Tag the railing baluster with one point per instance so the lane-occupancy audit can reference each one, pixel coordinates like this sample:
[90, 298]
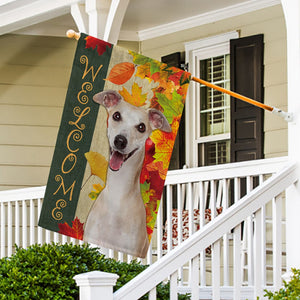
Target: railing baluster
[237, 276]
[237, 189]
[169, 217]
[110, 253]
[249, 229]
[258, 257]
[56, 237]
[190, 208]
[149, 254]
[202, 222]
[173, 286]
[194, 282]
[237, 266]
[48, 236]
[213, 199]
[17, 223]
[121, 256]
[224, 204]
[32, 222]
[9, 229]
[263, 240]
[159, 231]
[191, 220]
[179, 228]
[152, 294]
[2, 229]
[277, 241]
[24, 224]
[64, 239]
[216, 277]
[40, 230]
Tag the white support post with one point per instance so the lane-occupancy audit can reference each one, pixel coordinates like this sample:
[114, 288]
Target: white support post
[80, 17]
[97, 11]
[96, 285]
[114, 20]
[291, 10]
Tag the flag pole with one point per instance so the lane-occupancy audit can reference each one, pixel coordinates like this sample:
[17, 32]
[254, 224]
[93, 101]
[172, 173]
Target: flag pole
[287, 116]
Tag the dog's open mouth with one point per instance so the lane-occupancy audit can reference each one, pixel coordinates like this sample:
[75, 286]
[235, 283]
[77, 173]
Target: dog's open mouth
[117, 159]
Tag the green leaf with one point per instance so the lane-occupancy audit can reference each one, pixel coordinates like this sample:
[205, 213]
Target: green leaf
[139, 58]
[172, 108]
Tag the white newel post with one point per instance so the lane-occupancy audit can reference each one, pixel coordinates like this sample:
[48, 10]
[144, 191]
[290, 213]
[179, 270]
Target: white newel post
[292, 18]
[96, 285]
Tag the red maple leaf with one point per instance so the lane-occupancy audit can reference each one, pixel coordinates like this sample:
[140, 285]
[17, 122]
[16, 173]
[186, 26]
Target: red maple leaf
[76, 231]
[149, 230]
[149, 152]
[94, 43]
[176, 77]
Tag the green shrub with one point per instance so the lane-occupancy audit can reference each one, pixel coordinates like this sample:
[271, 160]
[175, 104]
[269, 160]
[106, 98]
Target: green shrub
[290, 291]
[46, 271]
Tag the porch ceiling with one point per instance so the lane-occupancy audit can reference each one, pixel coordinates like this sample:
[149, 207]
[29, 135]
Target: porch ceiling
[143, 19]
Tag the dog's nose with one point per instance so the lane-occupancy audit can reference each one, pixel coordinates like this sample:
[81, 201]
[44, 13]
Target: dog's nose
[120, 142]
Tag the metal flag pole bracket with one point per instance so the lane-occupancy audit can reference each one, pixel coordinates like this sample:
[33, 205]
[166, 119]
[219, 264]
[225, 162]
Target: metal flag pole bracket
[285, 115]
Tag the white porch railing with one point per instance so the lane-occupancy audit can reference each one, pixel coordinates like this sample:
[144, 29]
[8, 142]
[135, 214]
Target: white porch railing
[188, 192]
[191, 251]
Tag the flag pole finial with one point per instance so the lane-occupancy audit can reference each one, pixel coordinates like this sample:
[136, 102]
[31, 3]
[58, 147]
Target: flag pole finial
[73, 34]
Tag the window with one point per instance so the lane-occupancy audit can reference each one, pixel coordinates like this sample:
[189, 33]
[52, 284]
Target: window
[208, 110]
[214, 112]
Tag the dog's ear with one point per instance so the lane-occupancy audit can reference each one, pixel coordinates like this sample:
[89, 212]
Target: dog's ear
[107, 98]
[158, 120]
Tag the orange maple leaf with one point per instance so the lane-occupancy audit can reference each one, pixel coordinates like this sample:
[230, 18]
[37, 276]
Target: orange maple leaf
[136, 97]
[164, 142]
[158, 166]
[121, 73]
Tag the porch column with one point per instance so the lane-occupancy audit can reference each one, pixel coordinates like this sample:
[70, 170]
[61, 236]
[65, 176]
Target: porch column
[100, 18]
[292, 18]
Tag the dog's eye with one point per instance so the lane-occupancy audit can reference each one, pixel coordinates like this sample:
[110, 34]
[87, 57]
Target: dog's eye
[117, 116]
[141, 127]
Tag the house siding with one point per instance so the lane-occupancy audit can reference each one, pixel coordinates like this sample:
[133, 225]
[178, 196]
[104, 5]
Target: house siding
[33, 80]
[34, 77]
[270, 22]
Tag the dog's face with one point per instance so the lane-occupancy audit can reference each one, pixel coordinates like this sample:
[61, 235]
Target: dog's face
[128, 127]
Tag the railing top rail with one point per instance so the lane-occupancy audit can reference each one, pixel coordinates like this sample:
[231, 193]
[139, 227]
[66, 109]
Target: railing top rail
[231, 170]
[208, 234]
[22, 194]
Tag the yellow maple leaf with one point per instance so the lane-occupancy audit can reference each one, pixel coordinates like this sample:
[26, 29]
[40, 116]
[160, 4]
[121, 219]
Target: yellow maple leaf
[136, 97]
[98, 164]
[143, 71]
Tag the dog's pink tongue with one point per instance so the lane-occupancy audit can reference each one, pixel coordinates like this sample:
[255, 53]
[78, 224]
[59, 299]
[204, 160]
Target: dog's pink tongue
[116, 161]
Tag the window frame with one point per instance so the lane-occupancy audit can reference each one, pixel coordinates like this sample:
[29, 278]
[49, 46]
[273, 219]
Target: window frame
[196, 51]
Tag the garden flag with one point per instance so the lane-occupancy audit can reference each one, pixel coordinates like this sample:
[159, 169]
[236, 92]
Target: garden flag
[114, 145]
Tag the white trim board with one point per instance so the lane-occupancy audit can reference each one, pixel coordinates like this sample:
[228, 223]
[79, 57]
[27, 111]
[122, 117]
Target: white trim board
[206, 18]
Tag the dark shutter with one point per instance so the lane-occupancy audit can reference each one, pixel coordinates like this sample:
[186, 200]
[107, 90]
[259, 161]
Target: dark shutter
[178, 156]
[246, 77]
